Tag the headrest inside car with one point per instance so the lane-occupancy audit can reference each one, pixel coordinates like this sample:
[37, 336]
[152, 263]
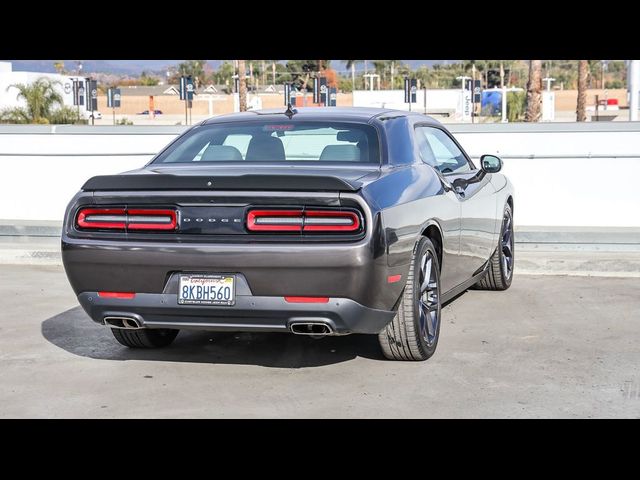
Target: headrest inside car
[351, 136]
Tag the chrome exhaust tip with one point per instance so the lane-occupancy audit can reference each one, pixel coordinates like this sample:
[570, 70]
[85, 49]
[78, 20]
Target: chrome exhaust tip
[128, 323]
[311, 328]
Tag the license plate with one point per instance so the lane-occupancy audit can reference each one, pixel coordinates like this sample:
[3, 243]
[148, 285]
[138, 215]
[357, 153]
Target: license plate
[207, 290]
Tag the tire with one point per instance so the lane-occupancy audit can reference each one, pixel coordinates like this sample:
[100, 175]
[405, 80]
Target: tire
[145, 338]
[501, 263]
[413, 333]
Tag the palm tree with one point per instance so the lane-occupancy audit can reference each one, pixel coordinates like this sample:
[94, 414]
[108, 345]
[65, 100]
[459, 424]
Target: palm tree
[583, 72]
[242, 82]
[195, 69]
[40, 97]
[383, 67]
[534, 86]
[351, 64]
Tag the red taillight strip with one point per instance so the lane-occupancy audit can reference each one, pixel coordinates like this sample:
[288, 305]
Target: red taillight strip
[254, 215]
[306, 299]
[319, 214]
[157, 219]
[170, 225]
[116, 295]
[296, 221]
[84, 222]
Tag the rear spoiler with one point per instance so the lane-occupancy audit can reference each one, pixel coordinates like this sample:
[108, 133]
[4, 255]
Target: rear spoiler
[197, 182]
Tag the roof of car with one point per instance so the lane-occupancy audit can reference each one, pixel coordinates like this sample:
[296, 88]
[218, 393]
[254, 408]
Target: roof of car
[364, 114]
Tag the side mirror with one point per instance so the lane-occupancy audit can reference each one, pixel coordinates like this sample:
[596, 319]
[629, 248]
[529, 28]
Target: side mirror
[490, 163]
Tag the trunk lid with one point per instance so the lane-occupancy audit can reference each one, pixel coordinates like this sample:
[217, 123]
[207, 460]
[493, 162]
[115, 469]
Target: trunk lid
[247, 177]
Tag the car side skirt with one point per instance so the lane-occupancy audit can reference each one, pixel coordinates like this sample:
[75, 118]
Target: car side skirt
[455, 291]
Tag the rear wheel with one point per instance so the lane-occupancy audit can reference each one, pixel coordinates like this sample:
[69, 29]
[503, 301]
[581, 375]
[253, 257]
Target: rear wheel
[413, 333]
[501, 263]
[145, 338]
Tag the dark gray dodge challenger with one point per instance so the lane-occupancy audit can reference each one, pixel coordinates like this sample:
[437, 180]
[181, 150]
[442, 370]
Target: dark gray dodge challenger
[319, 221]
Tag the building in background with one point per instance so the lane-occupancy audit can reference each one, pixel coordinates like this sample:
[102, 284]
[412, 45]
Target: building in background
[9, 95]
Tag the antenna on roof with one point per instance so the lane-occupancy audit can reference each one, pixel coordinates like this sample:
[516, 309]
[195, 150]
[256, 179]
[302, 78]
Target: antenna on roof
[290, 112]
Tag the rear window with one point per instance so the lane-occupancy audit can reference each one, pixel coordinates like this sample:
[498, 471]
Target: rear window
[284, 141]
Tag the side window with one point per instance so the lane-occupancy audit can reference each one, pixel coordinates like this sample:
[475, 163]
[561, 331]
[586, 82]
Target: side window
[438, 150]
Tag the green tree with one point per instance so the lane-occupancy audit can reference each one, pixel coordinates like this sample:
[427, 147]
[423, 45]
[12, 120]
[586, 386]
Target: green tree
[64, 115]
[583, 74]
[41, 98]
[15, 115]
[301, 71]
[273, 67]
[351, 65]
[282, 74]
[224, 74]
[242, 85]
[387, 71]
[345, 85]
[147, 80]
[195, 69]
[534, 87]
[516, 106]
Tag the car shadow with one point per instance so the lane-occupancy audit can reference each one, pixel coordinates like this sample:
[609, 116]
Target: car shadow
[76, 333]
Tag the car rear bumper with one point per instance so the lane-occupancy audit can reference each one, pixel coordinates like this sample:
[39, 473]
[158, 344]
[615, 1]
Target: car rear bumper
[250, 313]
[355, 271]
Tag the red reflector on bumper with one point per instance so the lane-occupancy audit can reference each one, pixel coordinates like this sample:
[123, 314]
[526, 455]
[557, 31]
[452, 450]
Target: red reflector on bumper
[394, 278]
[116, 294]
[307, 299]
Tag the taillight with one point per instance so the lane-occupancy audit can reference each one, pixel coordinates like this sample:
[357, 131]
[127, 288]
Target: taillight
[151, 219]
[327, 221]
[275, 220]
[303, 221]
[129, 219]
[110, 218]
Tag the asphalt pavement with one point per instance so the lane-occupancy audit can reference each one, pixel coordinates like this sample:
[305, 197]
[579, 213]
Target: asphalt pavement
[551, 346]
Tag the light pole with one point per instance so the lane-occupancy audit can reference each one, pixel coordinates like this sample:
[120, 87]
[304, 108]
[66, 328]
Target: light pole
[548, 80]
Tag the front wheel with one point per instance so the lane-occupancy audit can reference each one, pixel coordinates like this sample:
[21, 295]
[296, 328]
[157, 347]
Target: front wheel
[413, 333]
[145, 338]
[500, 272]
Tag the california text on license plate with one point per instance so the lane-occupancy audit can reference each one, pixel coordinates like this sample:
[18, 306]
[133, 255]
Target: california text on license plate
[207, 290]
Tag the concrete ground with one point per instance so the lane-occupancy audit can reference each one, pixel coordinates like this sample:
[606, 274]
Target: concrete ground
[551, 346]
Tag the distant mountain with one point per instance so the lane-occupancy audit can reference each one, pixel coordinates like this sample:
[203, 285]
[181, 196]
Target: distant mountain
[122, 67]
[136, 67]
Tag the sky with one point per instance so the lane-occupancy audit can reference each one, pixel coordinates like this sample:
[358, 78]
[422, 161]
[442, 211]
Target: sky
[135, 67]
